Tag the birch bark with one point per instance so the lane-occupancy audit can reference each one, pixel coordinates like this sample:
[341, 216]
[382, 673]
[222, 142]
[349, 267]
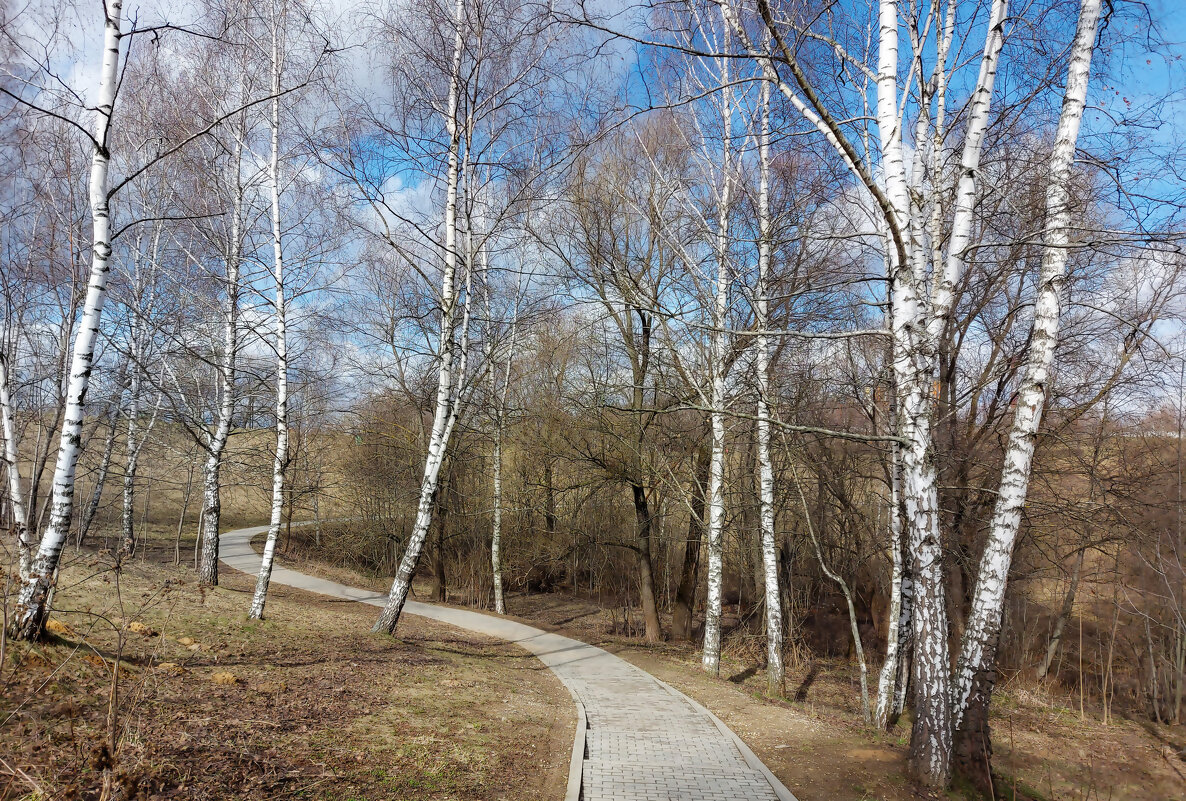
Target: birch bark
[280, 461]
[143, 279]
[974, 672]
[930, 739]
[500, 411]
[496, 522]
[217, 439]
[905, 640]
[716, 472]
[452, 356]
[889, 677]
[32, 601]
[943, 294]
[131, 455]
[16, 499]
[775, 679]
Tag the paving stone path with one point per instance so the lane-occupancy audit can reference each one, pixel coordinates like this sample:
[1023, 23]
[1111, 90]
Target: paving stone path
[637, 739]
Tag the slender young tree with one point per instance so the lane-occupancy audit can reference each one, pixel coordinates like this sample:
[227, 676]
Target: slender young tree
[715, 502]
[892, 677]
[846, 591]
[142, 284]
[775, 679]
[452, 354]
[214, 440]
[498, 391]
[280, 458]
[16, 496]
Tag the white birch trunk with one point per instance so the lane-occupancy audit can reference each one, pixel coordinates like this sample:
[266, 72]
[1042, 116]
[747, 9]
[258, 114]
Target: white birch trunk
[930, 740]
[711, 659]
[32, 601]
[211, 514]
[280, 461]
[943, 295]
[774, 665]
[16, 499]
[496, 524]
[893, 162]
[888, 678]
[905, 638]
[438, 445]
[500, 395]
[132, 456]
[931, 737]
[448, 383]
[979, 646]
[138, 355]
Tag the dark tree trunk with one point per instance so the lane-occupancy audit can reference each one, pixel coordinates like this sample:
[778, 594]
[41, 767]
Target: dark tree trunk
[1064, 614]
[549, 501]
[439, 586]
[440, 591]
[685, 594]
[785, 585]
[646, 578]
[972, 746]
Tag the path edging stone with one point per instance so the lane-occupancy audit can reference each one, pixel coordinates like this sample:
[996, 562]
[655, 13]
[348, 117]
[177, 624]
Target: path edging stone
[576, 765]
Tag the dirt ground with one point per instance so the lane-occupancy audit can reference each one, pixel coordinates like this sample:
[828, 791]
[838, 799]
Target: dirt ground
[816, 744]
[818, 747]
[305, 705]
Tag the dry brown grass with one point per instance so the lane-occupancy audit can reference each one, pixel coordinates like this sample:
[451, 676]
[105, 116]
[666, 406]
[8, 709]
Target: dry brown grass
[307, 704]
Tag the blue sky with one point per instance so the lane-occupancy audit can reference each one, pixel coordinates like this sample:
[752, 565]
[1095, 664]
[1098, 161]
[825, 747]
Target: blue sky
[1139, 90]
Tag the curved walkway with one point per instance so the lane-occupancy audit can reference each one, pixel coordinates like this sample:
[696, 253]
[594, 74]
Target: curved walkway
[637, 738]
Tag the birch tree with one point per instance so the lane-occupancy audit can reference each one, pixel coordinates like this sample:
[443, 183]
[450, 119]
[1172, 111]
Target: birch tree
[229, 174]
[916, 313]
[452, 353]
[499, 387]
[33, 596]
[921, 317]
[142, 282]
[32, 601]
[469, 119]
[894, 675]
[280, 458]
[214, 440]
[775, 678]
[715, 501]
[974, 671]
[44, 240]
[16, 496]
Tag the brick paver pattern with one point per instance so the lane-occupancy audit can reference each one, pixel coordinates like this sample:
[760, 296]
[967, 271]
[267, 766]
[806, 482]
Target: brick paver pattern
[644, 742]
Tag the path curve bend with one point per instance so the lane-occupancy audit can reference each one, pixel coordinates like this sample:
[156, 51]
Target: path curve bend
[637, 738]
